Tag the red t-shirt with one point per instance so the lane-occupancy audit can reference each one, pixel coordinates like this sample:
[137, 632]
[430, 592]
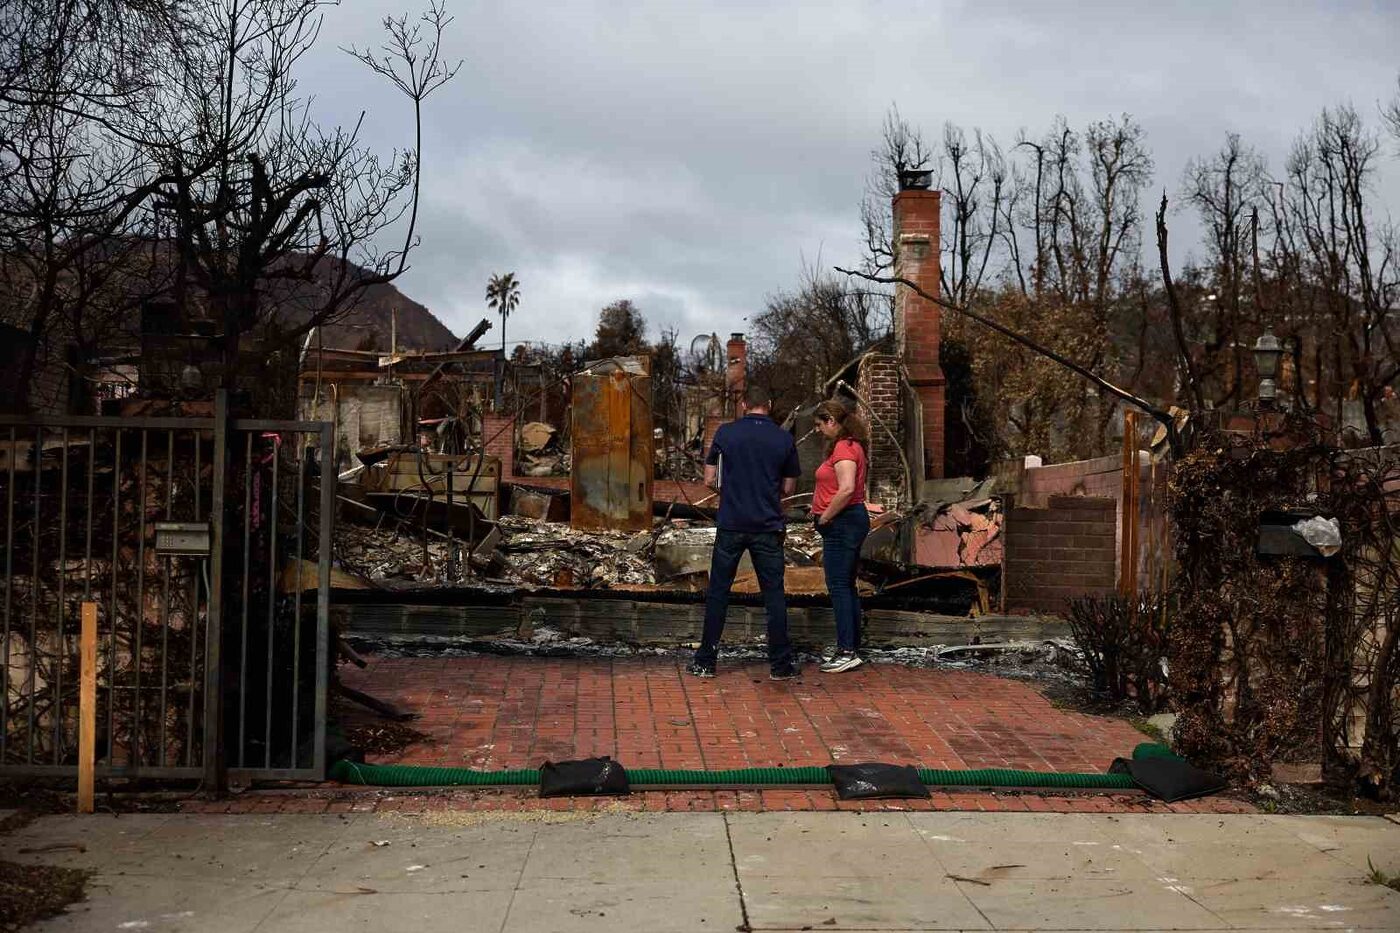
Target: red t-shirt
[827, 484]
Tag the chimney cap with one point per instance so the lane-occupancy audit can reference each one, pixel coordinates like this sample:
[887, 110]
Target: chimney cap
[915, 179]
[735, 337]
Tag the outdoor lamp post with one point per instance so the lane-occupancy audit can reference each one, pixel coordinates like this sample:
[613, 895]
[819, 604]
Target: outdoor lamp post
[1267, 352]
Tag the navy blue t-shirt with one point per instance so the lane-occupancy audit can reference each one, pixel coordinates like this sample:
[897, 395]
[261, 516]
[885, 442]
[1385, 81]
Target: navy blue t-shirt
[757, 454]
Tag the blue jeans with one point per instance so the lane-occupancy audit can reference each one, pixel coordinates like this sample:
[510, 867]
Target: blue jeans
[766, 550]
[842, 538]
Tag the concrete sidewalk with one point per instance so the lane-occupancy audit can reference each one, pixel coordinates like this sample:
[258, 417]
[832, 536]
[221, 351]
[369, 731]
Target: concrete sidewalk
[607, 871]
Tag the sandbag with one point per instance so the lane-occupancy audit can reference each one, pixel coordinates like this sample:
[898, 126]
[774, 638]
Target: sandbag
[1167, 776]
[876, 781]
[589, 777]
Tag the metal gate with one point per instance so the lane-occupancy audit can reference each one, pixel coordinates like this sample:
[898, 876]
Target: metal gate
[205, 544]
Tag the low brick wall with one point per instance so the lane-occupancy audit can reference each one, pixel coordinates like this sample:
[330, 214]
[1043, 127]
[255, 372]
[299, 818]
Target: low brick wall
[666, 624]
[1058, 552]
[1103, 477]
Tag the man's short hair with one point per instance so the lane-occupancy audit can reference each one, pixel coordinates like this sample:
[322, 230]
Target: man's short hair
[757, 397]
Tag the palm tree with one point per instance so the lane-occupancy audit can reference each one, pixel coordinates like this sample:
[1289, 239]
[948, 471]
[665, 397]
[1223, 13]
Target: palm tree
[502, 296]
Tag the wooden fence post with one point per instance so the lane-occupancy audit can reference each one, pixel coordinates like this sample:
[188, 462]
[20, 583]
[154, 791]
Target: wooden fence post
[87, 708]
[1128, 532]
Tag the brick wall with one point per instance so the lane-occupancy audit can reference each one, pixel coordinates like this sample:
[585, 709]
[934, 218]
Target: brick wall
[499, 431]
[879, 386]
[1103, 477]
[916, 319]
[1061, 551]
[712, 425]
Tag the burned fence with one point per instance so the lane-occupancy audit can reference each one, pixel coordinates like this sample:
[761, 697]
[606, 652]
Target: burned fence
[205, 545]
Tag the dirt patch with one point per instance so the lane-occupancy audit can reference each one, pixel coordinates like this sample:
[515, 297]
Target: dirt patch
[1313, 799]
[29, 893]
[30, 801]
[379, 737]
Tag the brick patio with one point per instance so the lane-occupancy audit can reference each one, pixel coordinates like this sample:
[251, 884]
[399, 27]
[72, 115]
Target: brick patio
[494, 713]
[511, 712]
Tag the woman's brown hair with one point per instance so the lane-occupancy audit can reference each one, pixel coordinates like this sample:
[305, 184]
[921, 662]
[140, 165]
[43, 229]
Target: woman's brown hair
[852, 425]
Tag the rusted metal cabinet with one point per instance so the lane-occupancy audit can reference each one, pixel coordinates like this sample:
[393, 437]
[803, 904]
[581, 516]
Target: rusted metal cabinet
[613, 459]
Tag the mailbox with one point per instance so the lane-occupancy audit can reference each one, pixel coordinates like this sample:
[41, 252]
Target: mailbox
[183, 539]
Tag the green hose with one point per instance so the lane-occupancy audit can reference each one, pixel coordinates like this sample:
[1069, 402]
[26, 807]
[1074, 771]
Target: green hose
[348, 772]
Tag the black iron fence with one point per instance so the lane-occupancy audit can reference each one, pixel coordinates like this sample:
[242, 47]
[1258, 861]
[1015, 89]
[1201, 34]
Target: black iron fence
[205, 544]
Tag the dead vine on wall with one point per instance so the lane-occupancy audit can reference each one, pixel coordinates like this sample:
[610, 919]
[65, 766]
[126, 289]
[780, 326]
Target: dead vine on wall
[1287, 658]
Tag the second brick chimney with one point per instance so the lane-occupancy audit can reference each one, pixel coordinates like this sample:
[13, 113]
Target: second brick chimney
[736, 372]
[916, 319]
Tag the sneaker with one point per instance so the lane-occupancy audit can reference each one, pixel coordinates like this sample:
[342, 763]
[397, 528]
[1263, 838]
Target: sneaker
[845, 661]
[829, 652]
[696, 669]
[786, 672]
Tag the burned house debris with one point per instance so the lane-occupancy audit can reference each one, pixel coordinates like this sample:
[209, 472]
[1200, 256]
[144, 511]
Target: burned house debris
[463, 495]
[471, 472]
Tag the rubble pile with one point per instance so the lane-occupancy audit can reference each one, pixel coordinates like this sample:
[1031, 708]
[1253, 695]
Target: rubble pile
[387, 553]
[541, 451]
[530, 551]
[554, 554]
[677, 463]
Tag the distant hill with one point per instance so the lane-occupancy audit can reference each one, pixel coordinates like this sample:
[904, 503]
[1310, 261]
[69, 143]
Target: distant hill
[371, 322]
[368, 324]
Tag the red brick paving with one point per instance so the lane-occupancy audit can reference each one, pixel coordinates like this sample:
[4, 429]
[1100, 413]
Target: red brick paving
[495, 713]
[511, 712]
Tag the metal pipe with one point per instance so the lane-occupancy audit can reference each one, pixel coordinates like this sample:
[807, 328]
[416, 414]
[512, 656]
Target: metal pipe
[165, 592]
[87, 547]
[34, 589]
[112, 606]
[247, 574]
[296, 617]
[9, 586]
[271, 602]
[323, 604]
[192, 619]
[140, 598]
[215, 774]
[61, 642]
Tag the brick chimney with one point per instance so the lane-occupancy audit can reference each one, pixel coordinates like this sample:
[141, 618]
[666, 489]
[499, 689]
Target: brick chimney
[916, 319]
[736, 372]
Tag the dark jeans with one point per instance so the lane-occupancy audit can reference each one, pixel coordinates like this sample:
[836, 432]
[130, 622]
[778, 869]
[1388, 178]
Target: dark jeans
[841, 541]
[766, 550]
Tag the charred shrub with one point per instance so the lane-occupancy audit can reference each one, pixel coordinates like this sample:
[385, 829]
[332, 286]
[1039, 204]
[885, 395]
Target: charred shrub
[1123, 642]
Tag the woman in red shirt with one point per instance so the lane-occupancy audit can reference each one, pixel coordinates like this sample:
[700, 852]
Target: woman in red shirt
[838, 509]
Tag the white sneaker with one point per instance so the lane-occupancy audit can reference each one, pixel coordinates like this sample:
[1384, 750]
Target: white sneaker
[842, 662]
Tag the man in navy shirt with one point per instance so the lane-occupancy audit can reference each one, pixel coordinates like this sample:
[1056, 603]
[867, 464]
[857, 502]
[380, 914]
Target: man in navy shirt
[756, 461]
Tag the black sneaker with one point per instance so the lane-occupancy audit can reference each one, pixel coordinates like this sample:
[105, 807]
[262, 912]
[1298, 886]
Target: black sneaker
[785, 672]
[696, 669]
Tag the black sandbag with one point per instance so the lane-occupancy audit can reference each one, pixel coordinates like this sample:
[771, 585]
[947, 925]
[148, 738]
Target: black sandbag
[589, 777]
[876, 781]
[1169, 779]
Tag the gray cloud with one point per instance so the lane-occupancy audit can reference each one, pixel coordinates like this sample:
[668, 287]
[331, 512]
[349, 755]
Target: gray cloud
[690, 156]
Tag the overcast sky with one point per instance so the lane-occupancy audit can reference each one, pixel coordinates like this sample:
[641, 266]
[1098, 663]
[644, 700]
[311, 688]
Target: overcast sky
[691, 156]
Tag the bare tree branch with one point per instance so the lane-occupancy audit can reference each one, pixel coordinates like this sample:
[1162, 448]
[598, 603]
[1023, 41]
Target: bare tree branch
[1188, 368]
[1160, 414]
